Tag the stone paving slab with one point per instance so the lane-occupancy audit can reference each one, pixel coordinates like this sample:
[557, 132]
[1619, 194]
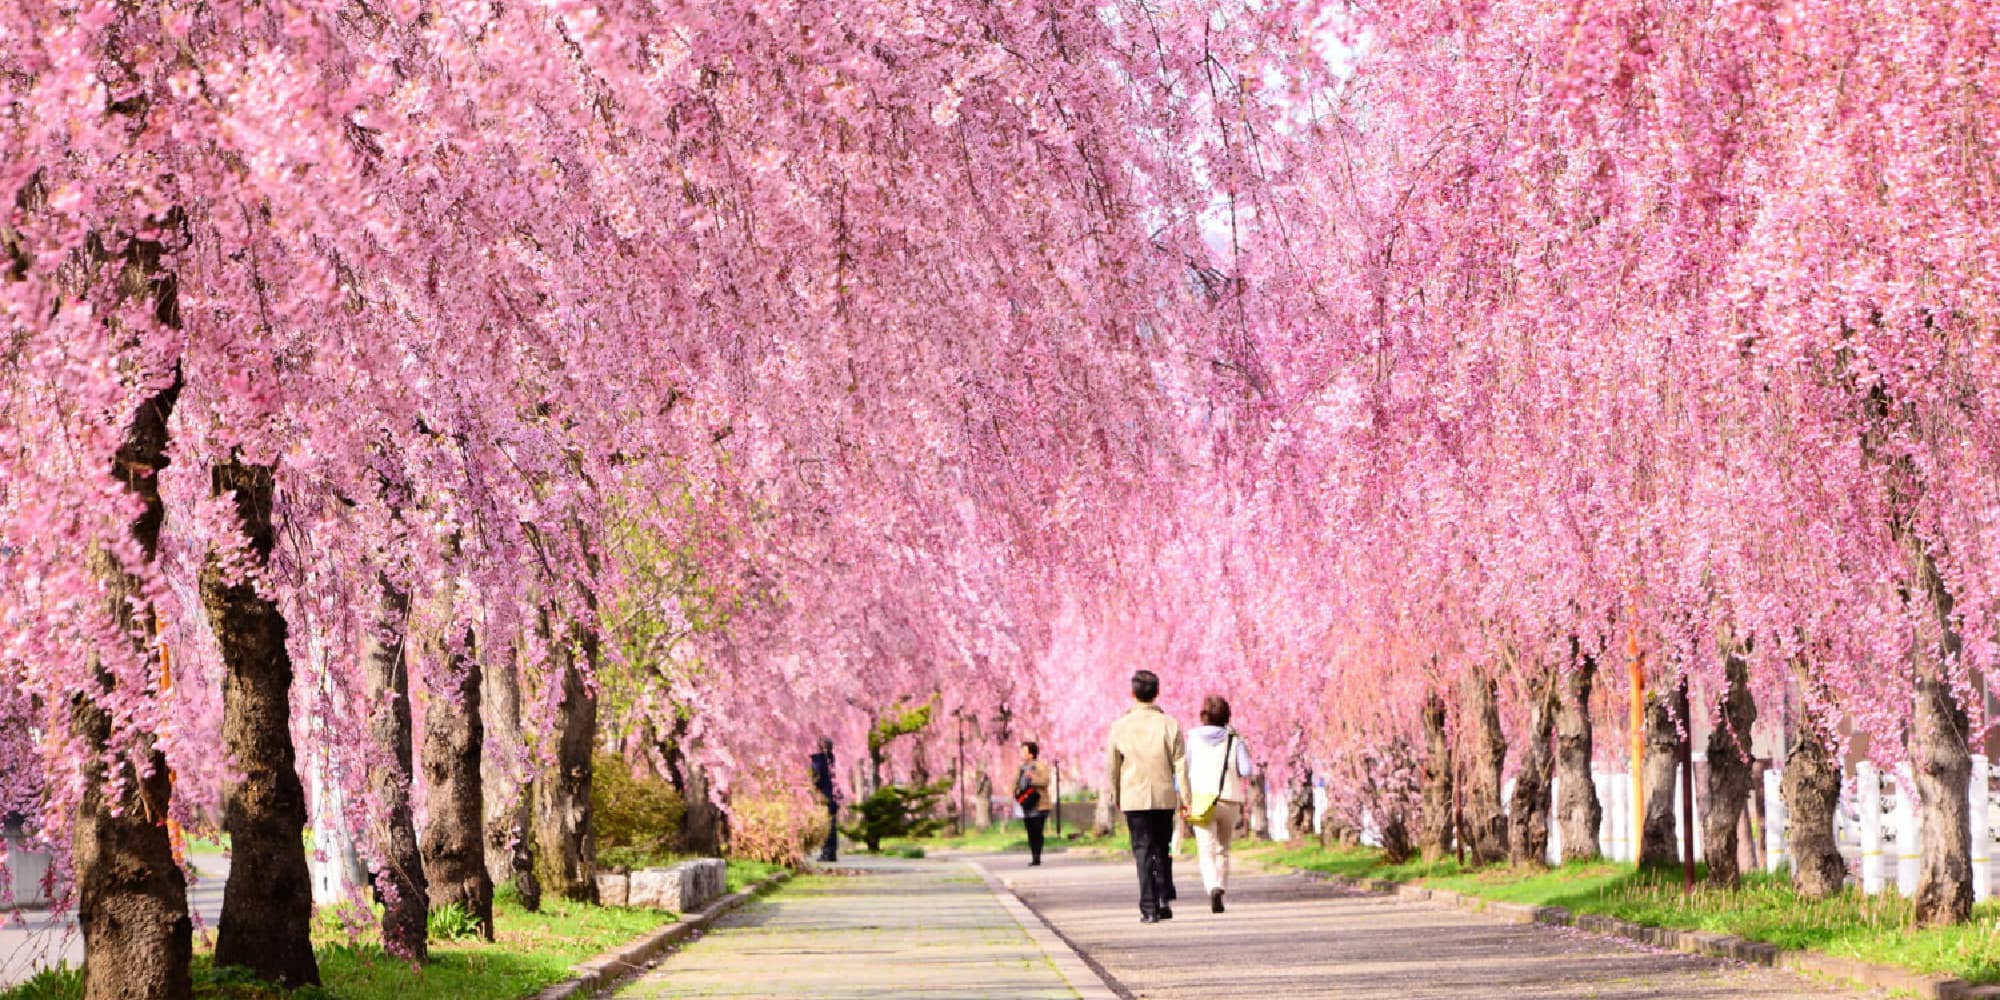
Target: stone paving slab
[1293, 937]
[894, 928]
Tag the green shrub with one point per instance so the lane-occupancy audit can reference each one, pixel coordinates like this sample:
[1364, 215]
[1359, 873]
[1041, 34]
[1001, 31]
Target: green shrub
[451, 922]
[642, 815]
[897, 811]
[59, 983]
[777, 829]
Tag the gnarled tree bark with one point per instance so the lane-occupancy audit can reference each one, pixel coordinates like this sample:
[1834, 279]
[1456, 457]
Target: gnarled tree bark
[1939, 735]
[1659, 844]
[1485, 814]
[131, 897]
[565, 841]
[1729, 775]
[507, 789]
[454, 844]
[704, 826]
[1579, 812]
[266, 924]
[982, 799]
[405, 901]
[1943, 762]
[1299, 803]
[1811, 790]
[1256, 808]
[1528, 814]
[1434, 827]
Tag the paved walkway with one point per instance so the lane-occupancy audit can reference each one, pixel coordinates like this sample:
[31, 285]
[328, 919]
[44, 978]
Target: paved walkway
[1288, 936]
[903, 929]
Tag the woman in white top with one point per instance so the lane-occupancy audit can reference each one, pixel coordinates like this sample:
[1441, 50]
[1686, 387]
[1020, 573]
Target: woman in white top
[1217, 763]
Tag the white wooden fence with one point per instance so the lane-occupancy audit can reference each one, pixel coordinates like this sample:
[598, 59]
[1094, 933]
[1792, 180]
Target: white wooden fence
[1870, 836]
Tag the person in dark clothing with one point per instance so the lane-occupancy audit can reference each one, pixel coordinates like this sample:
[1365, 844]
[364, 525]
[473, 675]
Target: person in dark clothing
[1031, 790]
[822, 769]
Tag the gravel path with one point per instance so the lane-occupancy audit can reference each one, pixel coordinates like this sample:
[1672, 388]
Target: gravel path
[1289, 937]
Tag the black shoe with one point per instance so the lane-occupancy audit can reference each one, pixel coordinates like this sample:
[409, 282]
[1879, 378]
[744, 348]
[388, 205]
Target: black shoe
[1166, 913]
[1148, 918]
[1215, 901]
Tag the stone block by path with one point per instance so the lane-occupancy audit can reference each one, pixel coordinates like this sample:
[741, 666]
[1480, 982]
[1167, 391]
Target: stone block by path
[1299, 938]
[614, 888]
[681, 888]
[893, 928]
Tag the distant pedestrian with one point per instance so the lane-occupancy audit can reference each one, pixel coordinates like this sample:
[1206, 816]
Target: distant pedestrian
[822, 771]
[1031, 791]
[1218, 764]
[1146, 760]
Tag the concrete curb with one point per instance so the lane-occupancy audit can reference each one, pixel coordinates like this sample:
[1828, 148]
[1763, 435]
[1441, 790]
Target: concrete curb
[635, 956]
[1069, 964]
[1927, 986]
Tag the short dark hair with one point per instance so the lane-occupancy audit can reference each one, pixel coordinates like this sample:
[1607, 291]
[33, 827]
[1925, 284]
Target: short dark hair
[1034, 748]
[1145, 685]
[1215, 711]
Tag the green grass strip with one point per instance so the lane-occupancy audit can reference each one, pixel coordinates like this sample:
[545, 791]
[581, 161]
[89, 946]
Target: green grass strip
[1880, 929]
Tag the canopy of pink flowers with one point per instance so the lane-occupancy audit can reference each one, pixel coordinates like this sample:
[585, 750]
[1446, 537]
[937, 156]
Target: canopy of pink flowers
[1315, 355]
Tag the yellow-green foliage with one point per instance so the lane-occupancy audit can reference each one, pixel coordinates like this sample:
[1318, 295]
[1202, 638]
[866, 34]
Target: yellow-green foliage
[773, 829]
[643, 816]
[900, 720]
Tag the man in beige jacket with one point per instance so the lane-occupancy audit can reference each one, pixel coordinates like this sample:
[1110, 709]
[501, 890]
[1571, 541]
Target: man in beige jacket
[1146, 765]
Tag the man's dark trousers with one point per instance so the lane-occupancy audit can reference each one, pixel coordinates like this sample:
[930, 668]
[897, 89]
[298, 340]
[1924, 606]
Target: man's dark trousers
[1035, 825]
[1152, 832]
[827, 850]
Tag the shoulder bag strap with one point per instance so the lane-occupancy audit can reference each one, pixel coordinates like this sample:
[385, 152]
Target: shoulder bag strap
[1222, 776]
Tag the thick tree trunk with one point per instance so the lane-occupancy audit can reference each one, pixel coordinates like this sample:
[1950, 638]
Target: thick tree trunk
[507, 787]
[1104, 821]
[1811, 789]
[1729, 774]
[454, 837]
[1938, 737]
[1485, 813]
[704, 826]
[1659, 846]
[405, 901]
[131, 897]
[565, 842]
[1434, 827]
[1299, 804]
[1529, 811]
[1943, 773]
[1396, 846]
[1579, 812]
[266, 924]
[982, 799]
[1943, 763]
[1256, 809]
[1333, 829]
